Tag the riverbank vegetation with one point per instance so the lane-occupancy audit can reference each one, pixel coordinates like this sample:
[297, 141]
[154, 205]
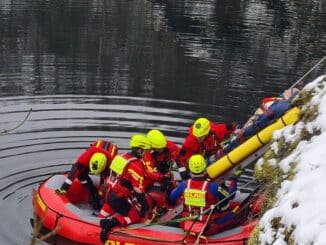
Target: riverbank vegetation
[279, 166]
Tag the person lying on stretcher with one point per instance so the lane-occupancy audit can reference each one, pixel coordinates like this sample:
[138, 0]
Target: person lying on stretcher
[271, 108]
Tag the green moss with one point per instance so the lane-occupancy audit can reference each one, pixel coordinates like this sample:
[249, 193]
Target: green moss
[309, 114]
[288, 236]
[271, 176]
[269, 154]
[280, 143]
[254, 236]
[276, 222]
[285, 148]
[291, 173]
[291, 146]
[303, 98]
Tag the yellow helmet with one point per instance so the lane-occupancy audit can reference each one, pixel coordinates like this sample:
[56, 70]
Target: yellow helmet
[97, 163]
[201, 127]
[197, 164]
[157, 139]
[140, 141]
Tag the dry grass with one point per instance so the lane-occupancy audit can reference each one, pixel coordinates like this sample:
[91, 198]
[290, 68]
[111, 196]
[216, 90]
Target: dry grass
[271, 176]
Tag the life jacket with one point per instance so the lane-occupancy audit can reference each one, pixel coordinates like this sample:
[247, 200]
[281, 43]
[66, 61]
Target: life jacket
[197, 198]
[118, 180]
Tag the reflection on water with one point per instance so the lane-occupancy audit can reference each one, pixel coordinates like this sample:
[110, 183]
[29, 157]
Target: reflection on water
[108, 69]
[180, 50]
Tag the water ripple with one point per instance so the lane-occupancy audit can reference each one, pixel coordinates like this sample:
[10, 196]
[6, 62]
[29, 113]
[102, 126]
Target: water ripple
[59, 128]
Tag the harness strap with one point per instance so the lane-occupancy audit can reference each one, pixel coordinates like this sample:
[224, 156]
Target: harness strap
[203, 188]
[113, 177]
[217, 145]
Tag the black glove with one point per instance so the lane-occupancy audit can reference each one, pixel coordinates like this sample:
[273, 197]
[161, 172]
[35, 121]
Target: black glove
[63, 189]
[107, 225]
[104, 235]
[141, 199]
[95, 200]
[184, 174]
[163, 167]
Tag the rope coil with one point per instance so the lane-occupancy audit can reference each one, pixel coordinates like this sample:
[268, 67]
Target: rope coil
[6, 131]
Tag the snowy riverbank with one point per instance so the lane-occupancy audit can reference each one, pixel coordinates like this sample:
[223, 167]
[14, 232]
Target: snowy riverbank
[298, 157]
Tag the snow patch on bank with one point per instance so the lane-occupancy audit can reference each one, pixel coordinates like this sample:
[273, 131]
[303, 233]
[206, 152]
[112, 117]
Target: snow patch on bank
[301, 204]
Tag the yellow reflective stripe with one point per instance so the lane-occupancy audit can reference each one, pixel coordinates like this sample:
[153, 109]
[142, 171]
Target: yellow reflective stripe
[195, 197]
[98, 143]
[148, 166]
[40, 202]
[223, 191]
[134, 174]
[138, 178]
[113, 150]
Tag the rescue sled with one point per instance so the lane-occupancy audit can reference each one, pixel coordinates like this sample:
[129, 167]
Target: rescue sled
[252, 148]
[75, 221]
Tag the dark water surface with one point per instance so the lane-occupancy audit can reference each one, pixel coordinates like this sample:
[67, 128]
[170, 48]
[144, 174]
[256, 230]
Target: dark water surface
[107, 69]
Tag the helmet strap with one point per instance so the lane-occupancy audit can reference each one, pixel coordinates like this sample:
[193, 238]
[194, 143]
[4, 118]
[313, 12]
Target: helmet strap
[137, 152]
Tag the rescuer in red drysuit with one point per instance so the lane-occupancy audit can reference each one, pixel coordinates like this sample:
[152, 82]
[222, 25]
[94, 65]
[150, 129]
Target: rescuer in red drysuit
[126, 200]
[95, 160]
[204, 138]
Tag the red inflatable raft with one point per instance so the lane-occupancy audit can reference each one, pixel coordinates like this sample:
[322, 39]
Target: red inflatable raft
[77, 222]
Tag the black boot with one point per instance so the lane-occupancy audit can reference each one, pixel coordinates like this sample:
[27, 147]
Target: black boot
[107, 225]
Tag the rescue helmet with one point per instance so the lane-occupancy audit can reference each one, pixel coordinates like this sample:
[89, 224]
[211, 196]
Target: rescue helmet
[97, 163]
[157, 139]
[201, 127]
[140, 141]
[197, 164]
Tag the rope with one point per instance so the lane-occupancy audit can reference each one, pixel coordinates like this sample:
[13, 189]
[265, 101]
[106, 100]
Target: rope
[6, 131]
[122, 232]
[313, 68]
[211, 209]
[204, 226]
[172, 221]
[219, 202]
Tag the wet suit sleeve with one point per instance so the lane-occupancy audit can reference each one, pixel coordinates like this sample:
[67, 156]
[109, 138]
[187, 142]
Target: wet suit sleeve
[137, 173]
[222, 130]
[81, 167]
[155, 176]
[177, 192]
[77, 170]
[221, 193]
[189, 147]
[174, 150]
